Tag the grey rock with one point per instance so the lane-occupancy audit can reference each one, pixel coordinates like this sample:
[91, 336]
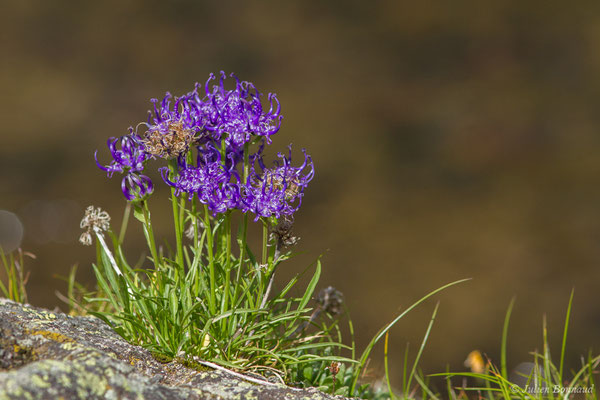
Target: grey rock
[51, 355]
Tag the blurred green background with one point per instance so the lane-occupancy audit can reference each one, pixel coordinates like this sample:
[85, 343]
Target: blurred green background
[450, 140]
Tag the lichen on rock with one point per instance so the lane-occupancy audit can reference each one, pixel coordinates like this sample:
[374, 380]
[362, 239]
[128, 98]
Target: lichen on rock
[50, 355]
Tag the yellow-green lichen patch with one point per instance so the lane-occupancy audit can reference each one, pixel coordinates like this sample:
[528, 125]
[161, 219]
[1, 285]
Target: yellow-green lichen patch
[90, 362]
[42, 316]
[21, 354]
[13, 389]
[133, 360]
[40, 382]
[64, 380]
[54, 336]
[69, 346]
[90, 384]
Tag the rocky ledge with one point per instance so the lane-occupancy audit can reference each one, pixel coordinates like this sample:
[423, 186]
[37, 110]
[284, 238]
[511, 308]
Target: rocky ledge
[50, 355]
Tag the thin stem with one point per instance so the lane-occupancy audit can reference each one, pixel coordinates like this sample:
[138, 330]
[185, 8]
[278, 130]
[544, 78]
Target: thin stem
[242, 243]
[246, 161]
[181, 232]
[264, 267]
[177, 219]
[174, 201]
[124, 223]
[386, 366]
[268, 291]
[211, 259]
[225, 299]
[195, 223]
[196, 273]
[265, 238]
[242, 239]
[149, 233]
[223, 151]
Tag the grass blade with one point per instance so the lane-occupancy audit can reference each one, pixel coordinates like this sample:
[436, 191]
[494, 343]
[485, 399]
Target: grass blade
[504, 339]
[382, 332]
[564, 339]
[311, 287]
[418, 357]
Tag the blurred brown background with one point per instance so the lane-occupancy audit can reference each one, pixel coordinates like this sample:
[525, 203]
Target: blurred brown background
[450, 141]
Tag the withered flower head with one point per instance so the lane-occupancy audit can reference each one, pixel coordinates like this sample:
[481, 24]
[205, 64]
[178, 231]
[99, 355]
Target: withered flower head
[331, 300]
[282, 234]
[168, 140]
[94, 220]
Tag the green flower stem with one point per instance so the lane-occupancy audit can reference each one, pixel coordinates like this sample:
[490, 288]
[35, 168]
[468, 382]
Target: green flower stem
[211, 260]
[270, 273]
[174, 201]
[195, 223]
[223, 151]
[124, 223]
[264, 267]
[242, 244]
[265, 239]
[149, 233]
[181, 232]
[246, 161]
[242, 239]
[225, 298]
[196, 273]
[177, 220]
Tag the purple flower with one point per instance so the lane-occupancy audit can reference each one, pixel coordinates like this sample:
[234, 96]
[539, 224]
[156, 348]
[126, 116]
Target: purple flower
[136, 186]
[210, 181]
[277, 191]
[171, 130]
[216, 126]
[231, 115]
[129, 157]
[223, 198]
[183, 111]
[235, 115]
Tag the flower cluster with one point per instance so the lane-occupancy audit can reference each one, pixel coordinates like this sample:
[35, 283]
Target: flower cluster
[209, 180]
[218, 125]
[235, 115]
[277, 191]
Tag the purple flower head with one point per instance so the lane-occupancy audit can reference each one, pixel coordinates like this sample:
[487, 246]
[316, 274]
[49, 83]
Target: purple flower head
[277, 191]
[210, 181]
[129, 157]
[136, 186]
[237, 114]
[182, 111]
[171, 130]
[223, 198]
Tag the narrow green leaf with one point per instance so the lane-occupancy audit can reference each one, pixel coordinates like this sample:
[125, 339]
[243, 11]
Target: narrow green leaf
[504, 339]
[173, 304]
[418, 357]
[381, 333]
[564, 339]
[311, 287]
